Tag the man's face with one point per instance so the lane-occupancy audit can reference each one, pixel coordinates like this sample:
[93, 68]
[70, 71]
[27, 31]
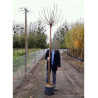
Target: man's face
[55, 45]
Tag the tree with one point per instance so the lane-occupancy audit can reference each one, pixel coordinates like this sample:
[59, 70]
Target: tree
[74, 39]
[60, 34]
[36, 36]
[16, 41]
[51, 18]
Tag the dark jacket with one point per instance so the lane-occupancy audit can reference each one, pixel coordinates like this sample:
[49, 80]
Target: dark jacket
[57, 62]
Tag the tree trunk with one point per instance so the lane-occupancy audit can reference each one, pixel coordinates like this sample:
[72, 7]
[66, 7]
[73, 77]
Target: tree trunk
[49, 56]
[76, 53]
[70, 52]
[73, 52]
[82, 54]
[14, 51]
[17, 51]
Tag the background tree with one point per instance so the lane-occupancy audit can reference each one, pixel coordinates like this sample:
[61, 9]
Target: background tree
[60, 34]
[16, 40]
[74, 40]
[36, 35]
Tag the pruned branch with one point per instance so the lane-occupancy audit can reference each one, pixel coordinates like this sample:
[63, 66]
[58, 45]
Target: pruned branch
[51, 17]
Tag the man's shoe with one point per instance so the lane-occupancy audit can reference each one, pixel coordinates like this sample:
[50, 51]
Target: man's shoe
[55, 89]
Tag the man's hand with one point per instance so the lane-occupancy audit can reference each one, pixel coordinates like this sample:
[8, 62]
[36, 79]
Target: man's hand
[58, 68]
[48, 58]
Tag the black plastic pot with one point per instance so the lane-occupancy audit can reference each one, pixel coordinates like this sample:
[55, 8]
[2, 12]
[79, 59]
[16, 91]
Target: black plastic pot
[49, 89]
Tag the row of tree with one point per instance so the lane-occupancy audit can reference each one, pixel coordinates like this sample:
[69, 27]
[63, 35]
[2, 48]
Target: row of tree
[72, 38]
[74, 41]
[36, 36]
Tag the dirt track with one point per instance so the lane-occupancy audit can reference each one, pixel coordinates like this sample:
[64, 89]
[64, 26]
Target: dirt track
[70, 81]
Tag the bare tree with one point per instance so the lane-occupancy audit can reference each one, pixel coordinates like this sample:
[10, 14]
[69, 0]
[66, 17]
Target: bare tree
[60, 33]
[50, 17]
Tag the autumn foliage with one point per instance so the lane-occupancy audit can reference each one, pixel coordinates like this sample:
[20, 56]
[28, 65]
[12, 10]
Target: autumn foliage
[74, 41]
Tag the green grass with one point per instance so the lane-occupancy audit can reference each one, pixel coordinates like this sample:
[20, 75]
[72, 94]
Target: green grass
[18, 59]
[21, 52]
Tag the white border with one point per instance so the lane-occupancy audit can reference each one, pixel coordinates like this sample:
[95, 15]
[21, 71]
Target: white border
[6, 49]
[91, 49]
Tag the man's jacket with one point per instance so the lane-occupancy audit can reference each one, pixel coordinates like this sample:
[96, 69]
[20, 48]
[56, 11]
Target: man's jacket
[57, 62]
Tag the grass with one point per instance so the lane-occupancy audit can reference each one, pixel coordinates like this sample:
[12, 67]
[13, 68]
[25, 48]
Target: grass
[19, 52]
[18, 57]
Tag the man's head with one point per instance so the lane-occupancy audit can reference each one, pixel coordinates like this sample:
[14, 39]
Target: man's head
[55, 45]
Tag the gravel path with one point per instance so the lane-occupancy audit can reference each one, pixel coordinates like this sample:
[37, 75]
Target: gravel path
[70, 81]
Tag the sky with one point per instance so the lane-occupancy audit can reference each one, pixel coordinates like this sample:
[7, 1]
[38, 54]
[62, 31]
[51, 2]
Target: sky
[71, 11]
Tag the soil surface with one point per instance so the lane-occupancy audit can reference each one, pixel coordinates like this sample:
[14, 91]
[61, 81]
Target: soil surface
[69, 80]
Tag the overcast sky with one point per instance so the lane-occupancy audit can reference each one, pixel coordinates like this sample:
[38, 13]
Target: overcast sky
[71, 10]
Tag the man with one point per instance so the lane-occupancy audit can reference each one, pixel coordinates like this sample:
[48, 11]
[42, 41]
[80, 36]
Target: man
[55, 64]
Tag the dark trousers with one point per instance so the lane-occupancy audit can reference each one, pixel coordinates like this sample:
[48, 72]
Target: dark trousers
[54, 76]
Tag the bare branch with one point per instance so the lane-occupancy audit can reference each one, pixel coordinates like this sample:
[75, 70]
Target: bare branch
[43, 20]
[51, 17]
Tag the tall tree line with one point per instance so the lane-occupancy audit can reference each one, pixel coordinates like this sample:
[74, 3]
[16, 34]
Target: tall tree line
[36, 36]
[72, 38]
[74, 41]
